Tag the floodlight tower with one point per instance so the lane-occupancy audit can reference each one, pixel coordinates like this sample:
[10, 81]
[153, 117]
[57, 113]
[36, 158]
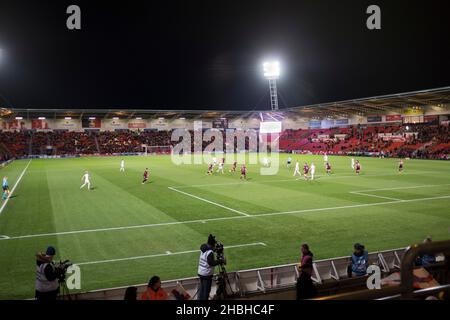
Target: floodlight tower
[272, 73]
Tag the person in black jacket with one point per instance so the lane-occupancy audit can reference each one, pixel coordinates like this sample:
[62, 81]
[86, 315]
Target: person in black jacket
[47, 286]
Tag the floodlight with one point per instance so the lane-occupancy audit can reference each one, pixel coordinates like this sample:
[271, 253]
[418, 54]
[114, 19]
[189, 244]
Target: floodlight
[67, 118]
[272, 73]
[41, 118]
[271, 69]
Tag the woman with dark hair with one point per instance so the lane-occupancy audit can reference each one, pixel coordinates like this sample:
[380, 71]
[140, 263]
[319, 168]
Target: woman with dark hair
[307, 257]
[305, 285]
[154, 290]
[130, 294]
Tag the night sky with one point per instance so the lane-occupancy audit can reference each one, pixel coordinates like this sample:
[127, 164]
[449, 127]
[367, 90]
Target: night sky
[207, 54]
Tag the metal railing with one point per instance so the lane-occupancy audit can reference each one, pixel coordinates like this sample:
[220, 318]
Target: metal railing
[405, 290]
[265, 280]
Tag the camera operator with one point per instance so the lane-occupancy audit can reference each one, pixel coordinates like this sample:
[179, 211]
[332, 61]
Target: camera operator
[47, 286]
[206, 265]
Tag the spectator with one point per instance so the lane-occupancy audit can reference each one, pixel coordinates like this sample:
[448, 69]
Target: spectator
[359, 261]
[130, 294]
[154, 290]
[425, 259]
[307, 257]
[305, 286]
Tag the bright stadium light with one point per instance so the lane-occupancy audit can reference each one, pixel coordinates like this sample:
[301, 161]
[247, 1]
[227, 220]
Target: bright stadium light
[67, 118]
[272, 73]
[271, 69]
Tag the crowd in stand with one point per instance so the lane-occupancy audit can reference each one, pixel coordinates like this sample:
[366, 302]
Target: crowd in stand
[413, 141]
[416, 141]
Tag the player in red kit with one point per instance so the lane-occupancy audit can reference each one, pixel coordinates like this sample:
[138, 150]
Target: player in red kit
[357, 167]
[145, 176]
[400, 166]
[305, 171]
[210, 169]
[328, 168]
[233, 168]
[243, 172]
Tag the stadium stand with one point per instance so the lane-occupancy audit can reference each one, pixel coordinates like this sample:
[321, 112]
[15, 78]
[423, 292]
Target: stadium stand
[417, 141]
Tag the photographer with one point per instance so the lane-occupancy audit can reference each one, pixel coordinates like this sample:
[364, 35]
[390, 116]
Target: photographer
[47, 286]
[206, 265]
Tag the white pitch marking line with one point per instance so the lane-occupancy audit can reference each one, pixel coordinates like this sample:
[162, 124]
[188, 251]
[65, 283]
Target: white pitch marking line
[210, 202]
[14, 188]
[405, 188]
[2, 237]
[168, 253]
[375, 196]
[225, 218]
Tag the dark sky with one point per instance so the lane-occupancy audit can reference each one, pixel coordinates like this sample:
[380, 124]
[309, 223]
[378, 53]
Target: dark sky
[196, 54]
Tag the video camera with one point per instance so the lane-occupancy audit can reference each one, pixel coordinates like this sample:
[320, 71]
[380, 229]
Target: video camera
[218, 248]
[61, 270]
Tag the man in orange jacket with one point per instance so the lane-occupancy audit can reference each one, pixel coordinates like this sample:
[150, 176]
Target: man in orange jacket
[154, 290]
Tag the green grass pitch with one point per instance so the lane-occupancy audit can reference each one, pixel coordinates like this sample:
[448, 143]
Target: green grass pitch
[122, 232]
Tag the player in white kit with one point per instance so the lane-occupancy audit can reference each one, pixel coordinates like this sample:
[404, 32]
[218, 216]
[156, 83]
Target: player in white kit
[214, 160]
[353, 164]
[297, 169]
[265, 162]
[220, 168]
[87, 181]
[122, 166]
[313, 170]
[325, 158]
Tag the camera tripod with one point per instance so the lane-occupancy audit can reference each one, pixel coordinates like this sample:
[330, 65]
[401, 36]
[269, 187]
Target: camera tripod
[224, 289]
[64, 293]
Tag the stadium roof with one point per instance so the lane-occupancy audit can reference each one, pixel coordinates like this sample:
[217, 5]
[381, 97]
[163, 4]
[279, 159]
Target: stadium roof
[365, 106]
[377, 105]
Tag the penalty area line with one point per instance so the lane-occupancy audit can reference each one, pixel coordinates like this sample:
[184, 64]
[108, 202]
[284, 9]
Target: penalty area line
[209, 201]
[166, 254]
[14, 188]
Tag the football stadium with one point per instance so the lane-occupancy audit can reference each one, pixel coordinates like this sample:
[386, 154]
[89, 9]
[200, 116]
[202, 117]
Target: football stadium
[321, 174]
[120, 229]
